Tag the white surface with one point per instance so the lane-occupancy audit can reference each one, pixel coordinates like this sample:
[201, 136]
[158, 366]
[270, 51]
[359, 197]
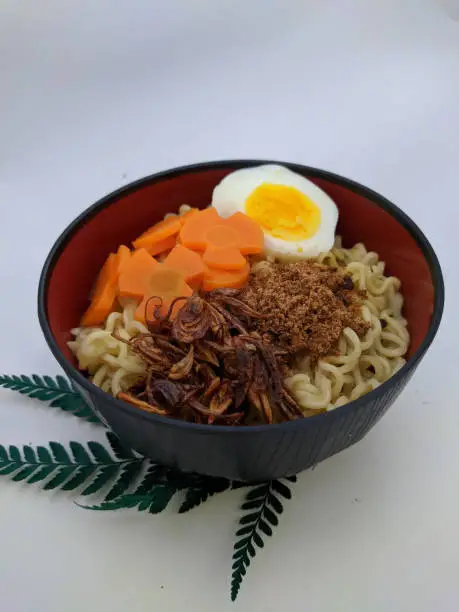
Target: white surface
[96, 94]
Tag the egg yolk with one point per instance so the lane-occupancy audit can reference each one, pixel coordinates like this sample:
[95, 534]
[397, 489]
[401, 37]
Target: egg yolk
[283, 212]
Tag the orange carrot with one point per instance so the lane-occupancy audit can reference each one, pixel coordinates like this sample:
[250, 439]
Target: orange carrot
[134, 278]
[100, 307]
[189, 213]
[252, 239]
[188, 263]
[218, 279]
[224, 258]
[163, 245]
[164, 229]
[194, 231]
[104, 294]
[163, 287]
[106, 274]
[123, 255]
[206, 229]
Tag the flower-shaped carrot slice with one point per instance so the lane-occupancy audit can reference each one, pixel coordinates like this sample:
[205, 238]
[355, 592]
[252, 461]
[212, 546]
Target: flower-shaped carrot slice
[218, 279]
[136, 273]
[164, 229]
[194, 231]
[252, 235]
[188, 263]
[164, 286]
[224, 241]
[224, 258]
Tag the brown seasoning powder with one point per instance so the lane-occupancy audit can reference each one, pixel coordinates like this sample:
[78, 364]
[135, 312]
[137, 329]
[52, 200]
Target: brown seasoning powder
[304, 303]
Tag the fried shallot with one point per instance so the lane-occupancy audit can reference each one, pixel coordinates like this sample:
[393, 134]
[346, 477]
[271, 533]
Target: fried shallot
[207, 364]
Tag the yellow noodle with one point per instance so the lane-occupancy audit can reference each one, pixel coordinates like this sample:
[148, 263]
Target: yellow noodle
[111, 364]
[362, 363]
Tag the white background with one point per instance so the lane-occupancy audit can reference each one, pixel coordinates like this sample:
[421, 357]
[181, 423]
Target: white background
[96, 94]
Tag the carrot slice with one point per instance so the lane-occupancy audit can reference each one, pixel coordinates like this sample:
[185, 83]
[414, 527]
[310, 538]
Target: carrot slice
[104, 294]
[252, 239]
[134, 278]
[206, 229]
[163, 245]
[123, 255]
[224, 258]
[218, 279]
[100, 307]
[189, 213]
[106, 275]
[163, 287]
[194, 231]
[188, 263]
[164, 229]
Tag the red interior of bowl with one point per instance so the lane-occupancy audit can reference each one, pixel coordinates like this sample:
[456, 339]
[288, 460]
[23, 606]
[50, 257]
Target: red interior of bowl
[128, 215]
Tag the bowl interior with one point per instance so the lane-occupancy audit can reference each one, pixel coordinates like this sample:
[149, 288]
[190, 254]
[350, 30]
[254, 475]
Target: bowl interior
[122, 216]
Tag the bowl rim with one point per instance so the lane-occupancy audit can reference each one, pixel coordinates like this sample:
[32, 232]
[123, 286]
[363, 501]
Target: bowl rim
[234, 164]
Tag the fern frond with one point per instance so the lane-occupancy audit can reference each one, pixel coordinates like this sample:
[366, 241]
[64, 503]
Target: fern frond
[90, 465]
[58, 392]
[262, 508]
[200, 493]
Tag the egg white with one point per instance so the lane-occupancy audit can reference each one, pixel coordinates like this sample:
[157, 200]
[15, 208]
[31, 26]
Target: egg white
[230, 195]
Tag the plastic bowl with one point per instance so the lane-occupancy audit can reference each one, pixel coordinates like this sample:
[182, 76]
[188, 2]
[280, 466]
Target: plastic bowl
[255, 453]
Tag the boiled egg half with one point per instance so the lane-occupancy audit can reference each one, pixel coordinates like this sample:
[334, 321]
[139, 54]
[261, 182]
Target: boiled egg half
[298, 219]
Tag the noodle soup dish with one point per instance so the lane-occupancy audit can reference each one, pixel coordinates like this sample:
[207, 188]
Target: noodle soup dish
[244, 319]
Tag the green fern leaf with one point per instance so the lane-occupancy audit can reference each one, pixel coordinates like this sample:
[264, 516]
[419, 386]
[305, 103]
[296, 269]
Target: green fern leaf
[63, 384]
[128, 476]
[258, 539]
[120, 503]
[197, 495]
[79, 454]
[249, 519]
[250, 505]
[123, 502]
[275, 503]
[29, 454]
[49, 382]
[60, 477]
[265, 528]
[282, 489]
[15, 454]
[100, 453]
[59, 453]
[155, 475]
[161, 497]
[119, 450]
[69, 472]
[79, 477]
[256, 493]
[58, 392]
[263, 507]
[271, 517]
[153, 494]
[44, 456]
[24, 473]
[8, 469]
[42, 473]
[244, 530]
[105, 475]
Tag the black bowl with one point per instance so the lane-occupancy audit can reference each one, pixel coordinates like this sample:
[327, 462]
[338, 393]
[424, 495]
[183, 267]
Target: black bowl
[253, 453]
